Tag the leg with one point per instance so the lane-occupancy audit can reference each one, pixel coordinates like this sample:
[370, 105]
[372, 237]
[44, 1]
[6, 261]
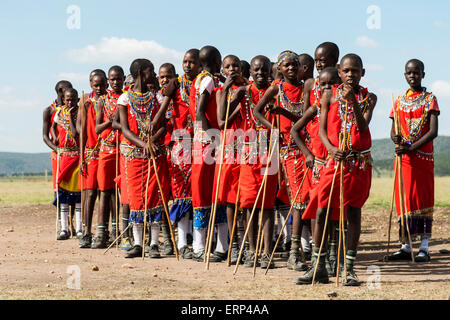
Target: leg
[294, 261]
[268, 226]
[167, 241]
[354, 232]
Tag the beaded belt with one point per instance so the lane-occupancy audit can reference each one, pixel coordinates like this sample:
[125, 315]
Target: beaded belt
[363, 157]
[106, 146]
[130, 151]
[70, 152]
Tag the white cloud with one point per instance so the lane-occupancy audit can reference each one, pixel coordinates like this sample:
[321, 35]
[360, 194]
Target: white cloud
[366, 42]
[12, 100]
[441, 89]
[373, 67]
[123, 51]
[439, 24]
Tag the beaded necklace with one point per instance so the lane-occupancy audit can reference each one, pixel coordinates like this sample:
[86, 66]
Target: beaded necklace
[316, 90]
[142, 106]
[250, 107]
[185, 88]
[286, 103]
[63, 119]
[407, 104]
[351, 119]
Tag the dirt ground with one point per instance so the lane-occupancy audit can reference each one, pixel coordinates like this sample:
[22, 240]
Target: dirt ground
[33, 265]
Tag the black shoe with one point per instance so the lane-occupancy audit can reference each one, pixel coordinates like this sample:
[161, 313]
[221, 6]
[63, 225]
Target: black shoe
[422, 258]
[186, 252]
[265, 261]
[154, 252]
[307, 278]
[249, 259]
[399, 255]
[352, 279]
[199, 256]
[99, 242]
[85, 241]
[63, 235]
[218, 257]
[294, 262]
[167, 248]
[235, 255]
[307, 256]
[189, 239]
[134, 252]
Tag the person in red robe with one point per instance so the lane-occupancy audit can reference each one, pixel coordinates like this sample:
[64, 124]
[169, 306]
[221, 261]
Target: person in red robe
[417, 111]
[289, 94]
[89, 163]
[65, 137]
[176, 92]
[345, 114]
[138, 107]
[252, 157]
[108, 163]
[203, 112]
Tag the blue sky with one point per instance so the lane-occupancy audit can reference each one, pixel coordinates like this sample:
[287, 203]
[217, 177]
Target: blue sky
[39, 49]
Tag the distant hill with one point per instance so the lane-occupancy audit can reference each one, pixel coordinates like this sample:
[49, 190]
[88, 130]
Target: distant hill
[382, 153]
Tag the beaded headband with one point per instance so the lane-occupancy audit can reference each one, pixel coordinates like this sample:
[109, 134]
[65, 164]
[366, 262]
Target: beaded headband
[285, 55]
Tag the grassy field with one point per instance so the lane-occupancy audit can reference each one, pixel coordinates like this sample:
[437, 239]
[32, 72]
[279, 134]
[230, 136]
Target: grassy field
[36, 190]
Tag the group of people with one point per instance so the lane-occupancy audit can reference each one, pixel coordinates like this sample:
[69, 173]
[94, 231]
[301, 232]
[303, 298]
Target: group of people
[211, 149]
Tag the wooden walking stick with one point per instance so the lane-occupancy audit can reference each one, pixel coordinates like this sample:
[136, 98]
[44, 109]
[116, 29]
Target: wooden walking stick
[164, 203]
[117, 238]
[57, 190]
[286, 220]
[391, 209]
[233, 228]
[212, 218]
[116, 188]
[260, 220]
[271, 150]
[146, 200]
[81, 166]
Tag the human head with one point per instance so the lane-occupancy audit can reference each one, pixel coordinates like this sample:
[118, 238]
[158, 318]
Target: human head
[191, 64]
[97, 72]
[306, 69]
[414, 73]
[231, 64]
[166, 73]
[210, 59]
[70, 97]
[288, 65]
[326, 55]
[143, 72]
[99, 84]
[260, 70]
[116, 78]
[328, 77]
[245, 69]
[60, 87]
[351, 70]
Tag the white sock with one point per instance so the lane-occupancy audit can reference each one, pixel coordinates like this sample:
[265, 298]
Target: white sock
[222, 238]
[154, 229]
[138, 230]
[406, 247]
[199, 240]
[306, 236]
[424, 243]
[64, 216]
[183, 228]
[78, 217]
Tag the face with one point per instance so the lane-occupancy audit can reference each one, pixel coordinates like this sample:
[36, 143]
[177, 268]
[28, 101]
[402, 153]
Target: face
[414, 75]
[98, 85]
[326, 81]
[116, 80]
[230, 65]
[191, 66]
[165, 75]
[350, 72]
[148, 77]
[70, 99]
[289, 69]
[61, 89]
[260, 72]
[323, 59]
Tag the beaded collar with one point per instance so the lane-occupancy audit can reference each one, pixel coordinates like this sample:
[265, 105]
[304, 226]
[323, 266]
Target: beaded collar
[142, 106]
[286, 103]
[185, 88]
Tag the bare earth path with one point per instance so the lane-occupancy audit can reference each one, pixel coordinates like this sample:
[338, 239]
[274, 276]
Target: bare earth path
[33, 265]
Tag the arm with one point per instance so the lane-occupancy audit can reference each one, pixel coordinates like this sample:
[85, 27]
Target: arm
[46, 128]
[426, 138]
[267, 98]
[73, 121]
[101, 126]
[201, 110]
[126, 130]
[116, 121]
[323, 132]
[222, 102]
[295, 133]
[54, 135]
[306, 94]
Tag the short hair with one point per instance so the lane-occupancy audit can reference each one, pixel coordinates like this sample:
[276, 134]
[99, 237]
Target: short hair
[194, 52]
[208, 54]
[262, 58]
[99, 72]
[138, 65]
[117, 69]
[417, 62]
[353, 57]
[71, 90]
[332, 47]
[305, 58]
[332, 70]
[62, 83]
[170, 67]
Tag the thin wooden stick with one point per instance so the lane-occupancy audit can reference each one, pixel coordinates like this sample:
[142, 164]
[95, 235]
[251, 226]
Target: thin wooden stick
[260, 222]
[271, 150]
[57, 190]
[146, 202]
[233, 228]
[116, 188]
[391, 208]
[115, 240]
[286, 220]
[81, 165]
[212, 218]
[164, 204]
